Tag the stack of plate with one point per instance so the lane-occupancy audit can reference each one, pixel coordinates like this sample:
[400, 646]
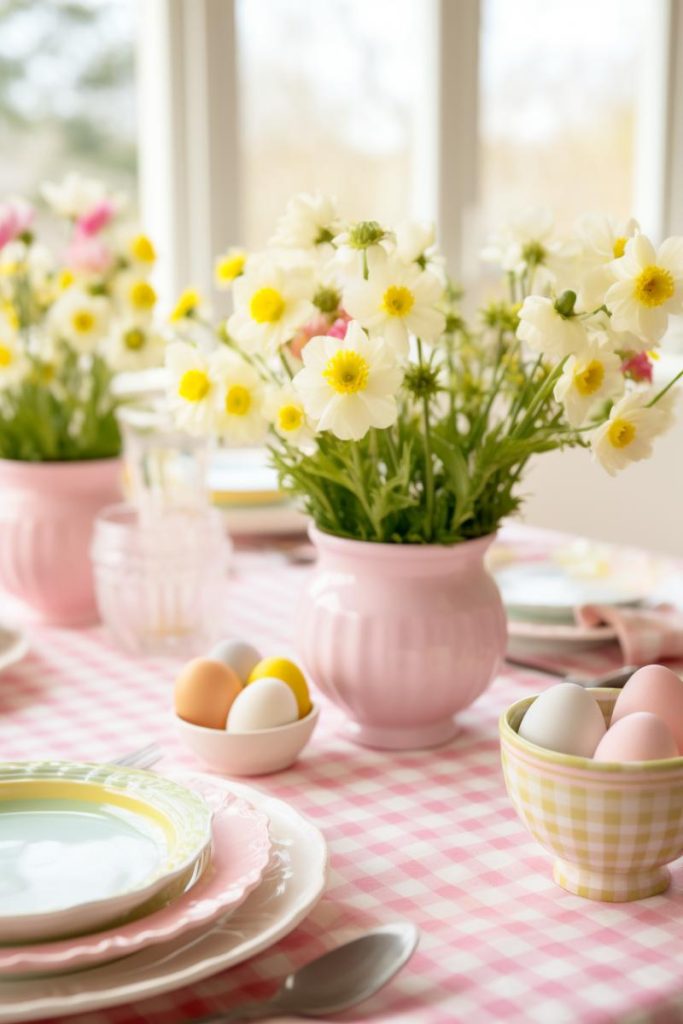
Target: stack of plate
[132, 875]
[245, 487]
[541, 597]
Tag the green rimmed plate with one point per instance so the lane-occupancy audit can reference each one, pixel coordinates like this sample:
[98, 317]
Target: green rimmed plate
[83, 846]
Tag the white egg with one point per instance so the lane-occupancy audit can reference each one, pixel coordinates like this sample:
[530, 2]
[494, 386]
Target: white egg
[263, 704]
[565, 718]
[238, 655]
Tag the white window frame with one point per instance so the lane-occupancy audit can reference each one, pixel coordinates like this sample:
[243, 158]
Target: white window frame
[189, 131]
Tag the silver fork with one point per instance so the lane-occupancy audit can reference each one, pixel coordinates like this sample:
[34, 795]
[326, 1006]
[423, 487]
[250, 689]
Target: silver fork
[144, 757]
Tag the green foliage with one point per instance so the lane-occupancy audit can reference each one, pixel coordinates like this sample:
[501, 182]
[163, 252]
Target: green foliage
[72, 417]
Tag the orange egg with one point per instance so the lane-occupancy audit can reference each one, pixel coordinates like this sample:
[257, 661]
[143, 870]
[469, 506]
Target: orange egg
[204, 692]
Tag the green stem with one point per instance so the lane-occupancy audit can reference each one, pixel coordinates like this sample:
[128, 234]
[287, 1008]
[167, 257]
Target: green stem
[285, 363]
[361, 494]
[660, 394]
[429, 468]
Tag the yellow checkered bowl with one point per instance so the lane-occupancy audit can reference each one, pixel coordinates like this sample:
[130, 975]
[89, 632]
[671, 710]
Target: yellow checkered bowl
[611, 827]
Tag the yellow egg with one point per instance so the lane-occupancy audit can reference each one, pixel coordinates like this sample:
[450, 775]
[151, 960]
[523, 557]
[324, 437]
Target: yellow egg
[288, 672]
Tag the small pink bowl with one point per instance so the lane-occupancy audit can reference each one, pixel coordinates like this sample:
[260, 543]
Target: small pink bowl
[262, 752]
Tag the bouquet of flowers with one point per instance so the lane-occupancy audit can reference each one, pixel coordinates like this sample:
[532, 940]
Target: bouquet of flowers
[392, 417]
[68, 323]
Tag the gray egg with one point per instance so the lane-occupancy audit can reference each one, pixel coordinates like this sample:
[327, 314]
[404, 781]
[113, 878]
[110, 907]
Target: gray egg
[241, 657]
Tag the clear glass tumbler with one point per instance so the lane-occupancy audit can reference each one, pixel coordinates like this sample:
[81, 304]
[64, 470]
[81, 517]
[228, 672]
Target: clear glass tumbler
[160, 585]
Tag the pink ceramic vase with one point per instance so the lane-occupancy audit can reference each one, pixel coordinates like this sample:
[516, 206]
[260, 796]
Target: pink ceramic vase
[402, 637]
[47, 511]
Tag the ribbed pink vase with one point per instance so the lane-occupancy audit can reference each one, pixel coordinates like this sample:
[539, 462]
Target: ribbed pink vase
[47, 511]
[401, 637]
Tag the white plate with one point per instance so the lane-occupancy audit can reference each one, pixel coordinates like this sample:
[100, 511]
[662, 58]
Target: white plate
[13, 646]
[543, 638]
[292, 885]
[548, 591]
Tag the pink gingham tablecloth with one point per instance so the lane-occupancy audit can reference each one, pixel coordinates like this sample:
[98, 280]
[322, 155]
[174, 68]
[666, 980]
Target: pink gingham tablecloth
[429, 836]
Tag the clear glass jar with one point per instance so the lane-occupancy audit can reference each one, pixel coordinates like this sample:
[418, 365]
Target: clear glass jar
[160, 586]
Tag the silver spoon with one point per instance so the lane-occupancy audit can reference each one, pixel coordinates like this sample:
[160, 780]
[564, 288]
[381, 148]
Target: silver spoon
[337, 980]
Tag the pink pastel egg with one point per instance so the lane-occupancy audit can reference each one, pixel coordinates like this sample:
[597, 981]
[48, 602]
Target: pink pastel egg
[637, 737]
[658, 690]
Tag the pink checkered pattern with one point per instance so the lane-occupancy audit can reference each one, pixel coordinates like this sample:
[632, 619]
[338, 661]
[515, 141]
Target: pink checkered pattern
[428, 836]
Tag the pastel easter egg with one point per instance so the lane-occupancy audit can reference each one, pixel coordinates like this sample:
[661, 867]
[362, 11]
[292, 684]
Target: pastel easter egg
[240, 656]
[639, 736]
[264, 704]
[565, 718]
[204, 692]
[289, 673]
[658, 690]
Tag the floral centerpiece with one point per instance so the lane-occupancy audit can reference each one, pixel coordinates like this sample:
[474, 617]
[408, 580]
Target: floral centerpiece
[405, 430]
[71, 316]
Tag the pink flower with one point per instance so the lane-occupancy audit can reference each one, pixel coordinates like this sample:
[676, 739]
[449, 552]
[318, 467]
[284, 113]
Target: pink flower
[96, 218]
[16, 217]
[318, 325]
[338, 328]
[87, 254]
[638, 367]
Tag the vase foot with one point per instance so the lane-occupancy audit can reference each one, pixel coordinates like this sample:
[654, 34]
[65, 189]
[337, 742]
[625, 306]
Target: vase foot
[611, 886]
[413, 738]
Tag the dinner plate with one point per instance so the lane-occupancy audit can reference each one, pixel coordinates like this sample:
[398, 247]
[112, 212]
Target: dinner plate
[240, 854]
[292, 885]
[548, 638]
[13, 646]
[84, 845]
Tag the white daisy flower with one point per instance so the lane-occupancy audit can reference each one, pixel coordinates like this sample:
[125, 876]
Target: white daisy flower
[546, 330]
[396, 301]
[416, 243]
[588, 379]
[13, 365]
[133, 345]
[136, 248]
[284, 408]
[648, 287]
[80, 318]
[628, 433]
[271, 303]
[75, 195]
[602, 241]
[349, 385]
[190, 390]
[308, 221]
[229, 267]
[361, 248]
[136, 296]
[238, 394]
[525, 246]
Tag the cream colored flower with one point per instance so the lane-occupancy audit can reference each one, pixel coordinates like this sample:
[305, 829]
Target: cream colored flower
[628, 433]
[134, 345]
[229, 267]
[271, 303]
[349, 385]
[588, 379]
[136, 296]
[238, 395]
[602, 241]
[648, 287]
[76, 195]
[189, 306]
[396, 301]
[308, 221]
[546, 330]
[190, 390]
[136, 248]
[13, 364]
[80, 318]
[525, 246]
[284, 408]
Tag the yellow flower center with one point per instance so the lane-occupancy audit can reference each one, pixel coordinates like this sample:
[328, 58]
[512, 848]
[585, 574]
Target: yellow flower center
[397, 300]
[589, 378]
[187, 304]
[238, 400]
[347, 372]
[194, 385]
[82, 321]
[66, 279]
[9, 310]
[621, 433]
[267, 306]
[6, 356]
[142, 249]
[290, 417]
[653, 286]
[142, 295]
[619, 246]
[230, 267]
[134, 339]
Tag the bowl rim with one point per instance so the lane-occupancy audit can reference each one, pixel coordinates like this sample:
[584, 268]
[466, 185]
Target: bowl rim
[511, 737]
[202, 730]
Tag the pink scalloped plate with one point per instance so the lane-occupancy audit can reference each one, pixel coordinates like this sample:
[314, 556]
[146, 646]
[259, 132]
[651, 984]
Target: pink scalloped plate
[240, 855]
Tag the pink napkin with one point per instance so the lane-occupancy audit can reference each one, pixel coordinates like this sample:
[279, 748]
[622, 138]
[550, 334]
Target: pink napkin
[645, 635]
